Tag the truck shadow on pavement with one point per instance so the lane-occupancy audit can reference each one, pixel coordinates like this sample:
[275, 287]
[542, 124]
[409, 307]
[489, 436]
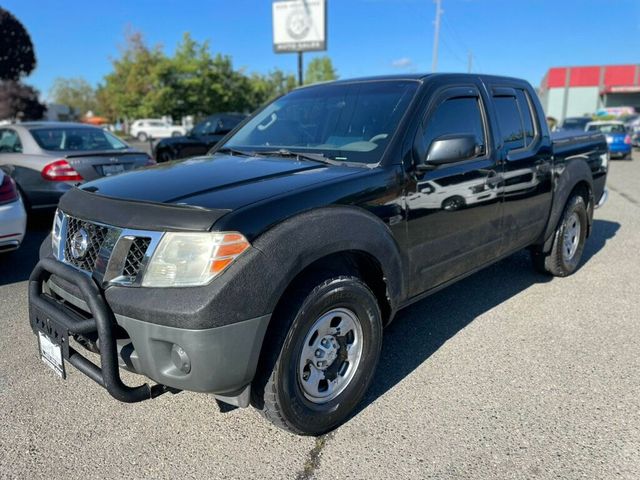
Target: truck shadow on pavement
[16, 266]
[421, 329]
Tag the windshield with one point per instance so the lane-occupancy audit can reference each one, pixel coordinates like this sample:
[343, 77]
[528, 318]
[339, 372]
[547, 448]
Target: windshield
[351, 122]
[607, 128]
[76, 138]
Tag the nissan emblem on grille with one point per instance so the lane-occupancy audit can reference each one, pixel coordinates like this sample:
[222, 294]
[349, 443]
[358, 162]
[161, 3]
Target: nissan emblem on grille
[93, 247]
[79, 244]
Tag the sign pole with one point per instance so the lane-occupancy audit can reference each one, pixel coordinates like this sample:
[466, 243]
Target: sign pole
[300, 75]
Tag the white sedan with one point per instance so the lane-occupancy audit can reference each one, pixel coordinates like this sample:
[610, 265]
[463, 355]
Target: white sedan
[13, 218]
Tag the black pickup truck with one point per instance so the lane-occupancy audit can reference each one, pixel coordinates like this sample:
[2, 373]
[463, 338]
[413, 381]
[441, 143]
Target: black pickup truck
[265, 272]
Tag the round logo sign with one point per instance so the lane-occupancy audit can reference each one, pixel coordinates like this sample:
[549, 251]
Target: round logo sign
[79, 244]
[298, 24]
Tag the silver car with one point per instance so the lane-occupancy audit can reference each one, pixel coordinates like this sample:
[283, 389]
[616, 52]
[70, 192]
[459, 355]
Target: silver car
[48, 158]
[13, 218]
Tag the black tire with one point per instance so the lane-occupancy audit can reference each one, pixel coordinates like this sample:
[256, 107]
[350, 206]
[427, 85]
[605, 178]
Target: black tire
[277, 390]
[176, 134]
[562, 261]
[142, 137]
[453, 203]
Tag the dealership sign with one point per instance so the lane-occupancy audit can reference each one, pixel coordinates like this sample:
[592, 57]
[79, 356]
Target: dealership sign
[299, 25]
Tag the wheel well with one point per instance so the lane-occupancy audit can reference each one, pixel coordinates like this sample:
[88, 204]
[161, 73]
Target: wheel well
[350, 262]
[583, 189]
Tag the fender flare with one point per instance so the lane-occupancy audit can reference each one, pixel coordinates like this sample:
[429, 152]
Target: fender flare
[575, 171]
[324, 231]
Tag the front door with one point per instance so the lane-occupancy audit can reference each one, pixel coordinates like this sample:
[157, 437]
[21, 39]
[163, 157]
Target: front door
[454, 210]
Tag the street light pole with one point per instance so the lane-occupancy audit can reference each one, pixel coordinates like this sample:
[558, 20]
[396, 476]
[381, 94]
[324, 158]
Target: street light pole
[436, 35]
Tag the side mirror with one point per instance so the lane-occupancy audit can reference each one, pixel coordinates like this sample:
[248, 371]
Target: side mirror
[451, 148]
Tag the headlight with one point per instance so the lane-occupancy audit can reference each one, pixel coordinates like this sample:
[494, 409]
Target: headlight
[190, 259]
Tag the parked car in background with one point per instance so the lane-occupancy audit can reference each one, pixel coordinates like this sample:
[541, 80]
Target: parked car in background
[13, 218]
[200, 139]
[575, 123]
[47, 158]
[617, 135]
[146, 128]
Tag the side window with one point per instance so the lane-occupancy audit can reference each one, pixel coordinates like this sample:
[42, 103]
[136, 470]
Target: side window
[528, 117]
[460, 115]
[9, 141]
[510, 122]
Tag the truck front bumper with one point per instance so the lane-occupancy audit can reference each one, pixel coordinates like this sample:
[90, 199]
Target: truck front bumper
[220, 360]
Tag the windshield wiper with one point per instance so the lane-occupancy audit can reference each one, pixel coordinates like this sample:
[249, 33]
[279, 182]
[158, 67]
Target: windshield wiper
[315, 157]
[233, 151]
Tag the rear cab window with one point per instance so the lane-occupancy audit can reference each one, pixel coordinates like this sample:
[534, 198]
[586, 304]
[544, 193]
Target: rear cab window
[515, 117]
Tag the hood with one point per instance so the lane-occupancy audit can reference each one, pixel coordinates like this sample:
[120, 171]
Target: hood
[219, 181]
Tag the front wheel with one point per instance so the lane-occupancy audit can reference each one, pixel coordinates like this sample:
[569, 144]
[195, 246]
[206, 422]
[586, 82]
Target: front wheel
[323, 357]
[142, 137]
[568, 244]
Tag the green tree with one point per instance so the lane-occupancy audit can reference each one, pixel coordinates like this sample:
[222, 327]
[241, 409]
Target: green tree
[320, 69]
[17, 59]
[133, 88]
[19, 102]
[76, 93]
[269, 86]
[195, 82]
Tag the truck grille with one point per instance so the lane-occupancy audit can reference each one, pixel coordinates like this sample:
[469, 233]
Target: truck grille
[135, 256]
[96, 235]
[114, 254]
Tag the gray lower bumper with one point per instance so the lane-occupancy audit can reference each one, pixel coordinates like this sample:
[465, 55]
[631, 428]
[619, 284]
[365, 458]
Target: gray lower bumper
[220, 360]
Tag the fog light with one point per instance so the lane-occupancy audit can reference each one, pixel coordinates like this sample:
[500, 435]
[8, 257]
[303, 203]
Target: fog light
[180, 359]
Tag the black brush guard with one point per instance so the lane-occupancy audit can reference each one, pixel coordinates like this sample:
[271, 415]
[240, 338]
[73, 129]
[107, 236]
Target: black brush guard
[58, 322]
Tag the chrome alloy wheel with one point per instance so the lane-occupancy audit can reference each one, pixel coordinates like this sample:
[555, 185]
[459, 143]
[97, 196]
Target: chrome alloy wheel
[571, 237]
[330, 355]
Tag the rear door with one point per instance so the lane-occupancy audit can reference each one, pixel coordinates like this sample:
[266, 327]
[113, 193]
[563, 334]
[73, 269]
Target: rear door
[526, 184]
[454, 210]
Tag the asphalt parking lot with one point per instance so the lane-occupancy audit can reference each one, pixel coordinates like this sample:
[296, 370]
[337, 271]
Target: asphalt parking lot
[507, 374]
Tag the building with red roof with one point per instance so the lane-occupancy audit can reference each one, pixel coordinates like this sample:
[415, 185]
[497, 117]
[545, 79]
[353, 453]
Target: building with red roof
[576, 91]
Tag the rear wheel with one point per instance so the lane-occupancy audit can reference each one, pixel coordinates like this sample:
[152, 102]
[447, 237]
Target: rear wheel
[322, 357]
[568, 243]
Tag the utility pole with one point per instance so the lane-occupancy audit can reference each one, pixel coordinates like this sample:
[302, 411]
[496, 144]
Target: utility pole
[436, 35]
[300, 74]
[470, 61]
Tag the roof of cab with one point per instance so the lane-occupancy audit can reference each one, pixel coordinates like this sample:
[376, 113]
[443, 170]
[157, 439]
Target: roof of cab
[417, 77]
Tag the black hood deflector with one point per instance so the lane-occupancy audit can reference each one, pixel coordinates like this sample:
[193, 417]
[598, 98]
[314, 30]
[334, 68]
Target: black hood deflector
[136, 214]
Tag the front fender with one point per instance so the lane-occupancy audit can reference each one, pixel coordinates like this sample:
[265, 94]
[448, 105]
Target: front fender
[255, 282]
[299, 241]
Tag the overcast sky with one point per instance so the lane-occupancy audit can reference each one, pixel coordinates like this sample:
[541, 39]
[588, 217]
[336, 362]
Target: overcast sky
[521, 38]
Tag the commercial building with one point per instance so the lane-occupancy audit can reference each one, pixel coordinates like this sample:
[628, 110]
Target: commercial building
[575, 91]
